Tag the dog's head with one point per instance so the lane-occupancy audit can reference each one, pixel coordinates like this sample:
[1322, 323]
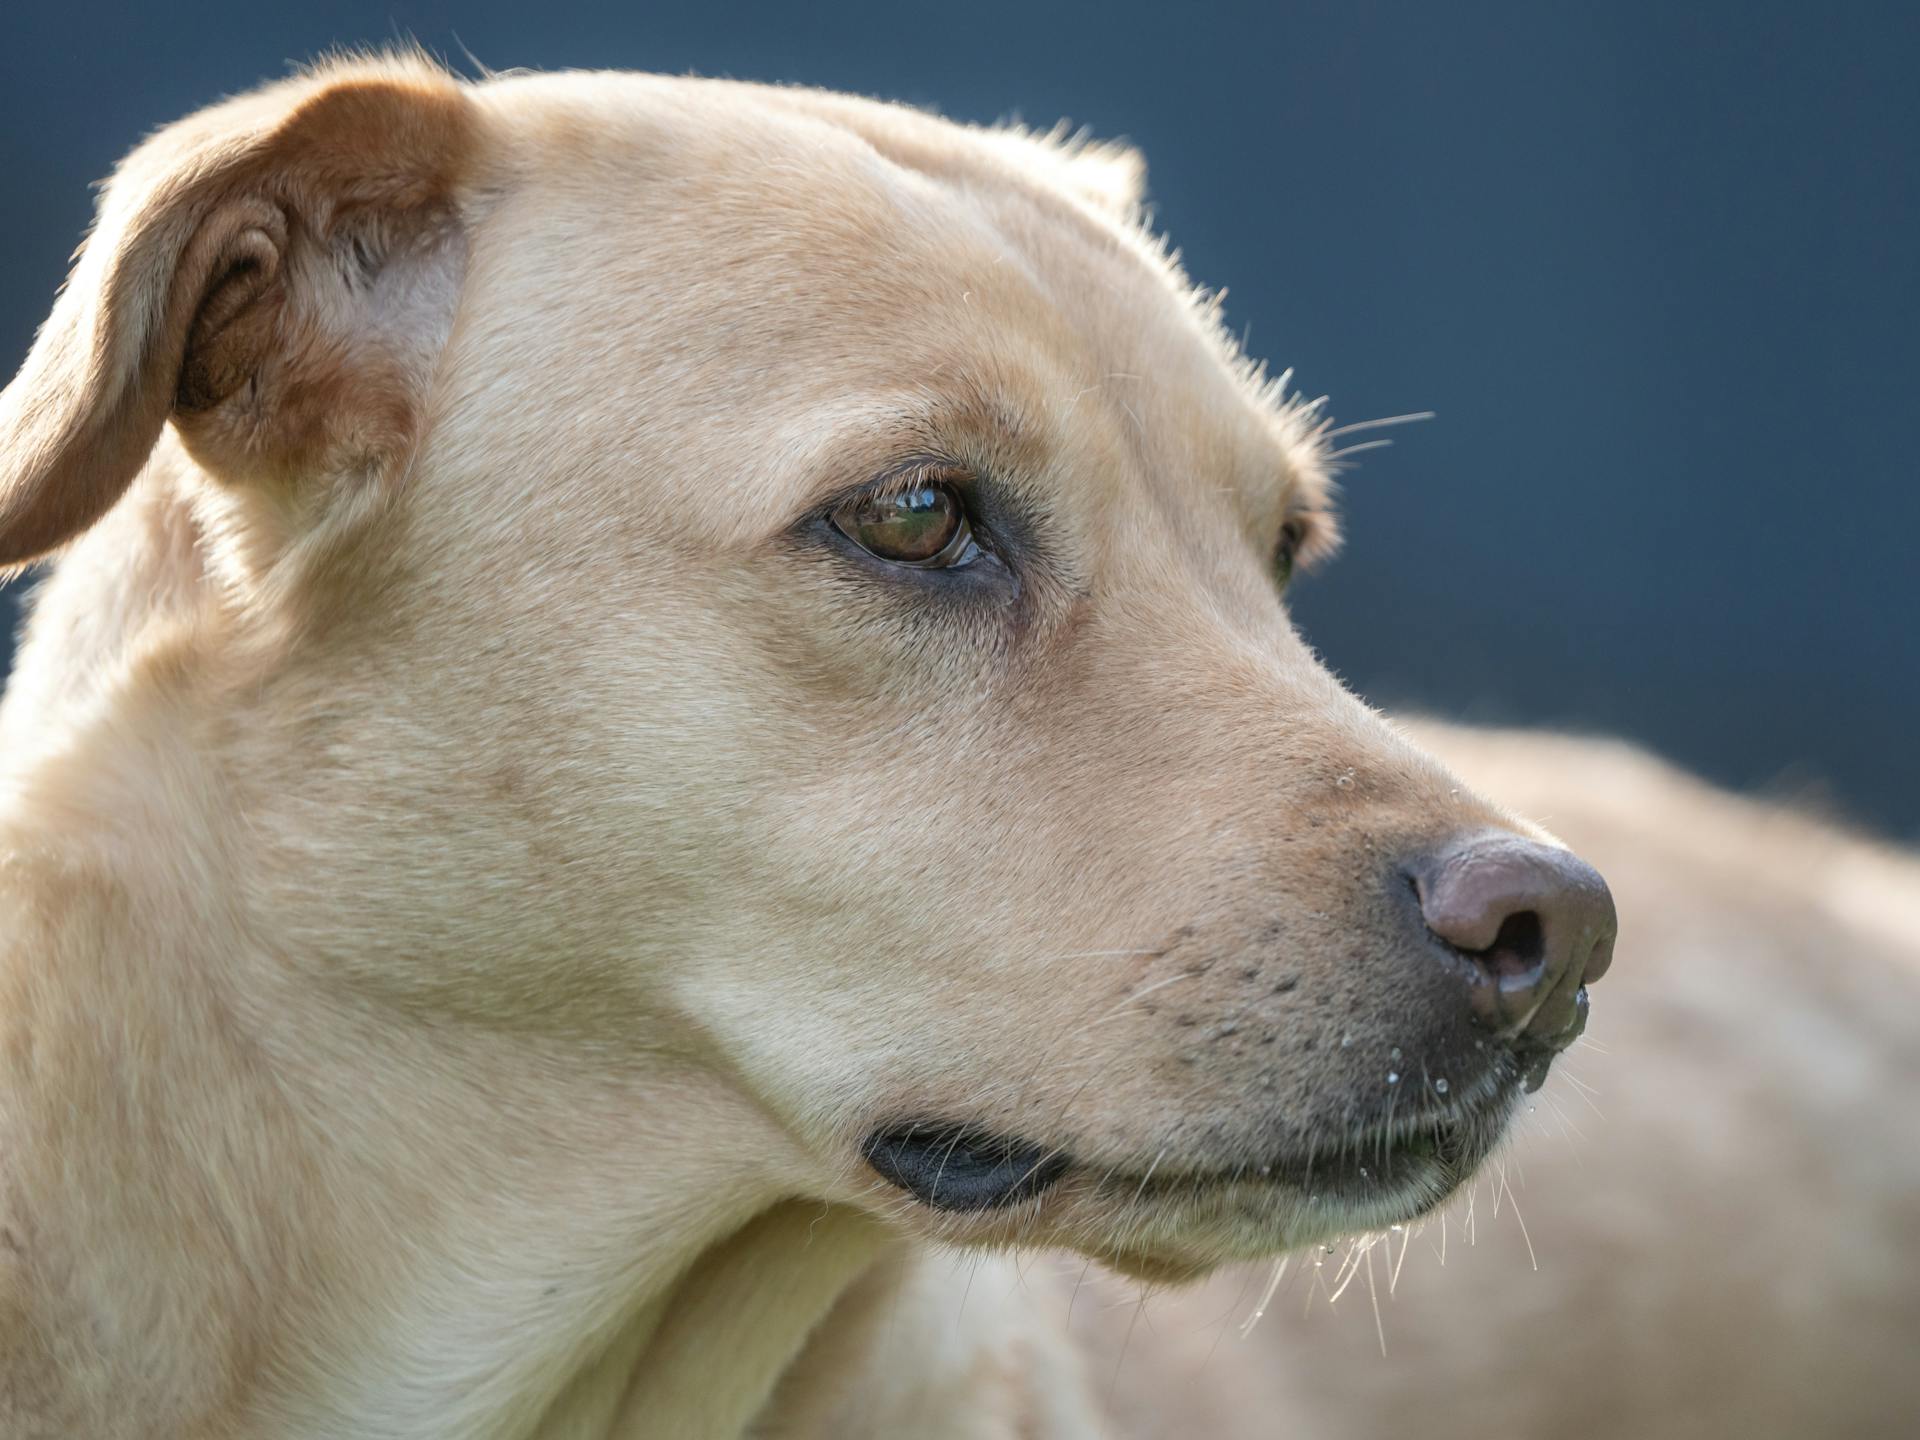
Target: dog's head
[797, 587]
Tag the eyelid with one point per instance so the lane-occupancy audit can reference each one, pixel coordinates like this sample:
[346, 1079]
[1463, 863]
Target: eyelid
[1318, 538]
[913, 475]
[1010, 529]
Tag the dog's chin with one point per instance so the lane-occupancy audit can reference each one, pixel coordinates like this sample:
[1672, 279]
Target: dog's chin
[1173, 1220]
[1180, 1225]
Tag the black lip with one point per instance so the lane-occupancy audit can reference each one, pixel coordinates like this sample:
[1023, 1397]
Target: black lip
[1534, 1056]
[1442, 1146]
[956, 1168]
[949, 1167]
[1381, 1160]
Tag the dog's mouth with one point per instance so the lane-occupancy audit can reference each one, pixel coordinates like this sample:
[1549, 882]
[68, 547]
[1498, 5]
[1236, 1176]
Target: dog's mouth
[956, 1169]
[1406, 1164]
[1414, 1156]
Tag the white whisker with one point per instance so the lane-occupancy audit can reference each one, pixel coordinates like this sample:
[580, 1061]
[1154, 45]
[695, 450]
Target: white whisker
[1531, 1257]
[1350, 1265]
[1379, 424]
[1578, 1083]
[1266, 1296]
[1373, 1298]
[1319, 1273]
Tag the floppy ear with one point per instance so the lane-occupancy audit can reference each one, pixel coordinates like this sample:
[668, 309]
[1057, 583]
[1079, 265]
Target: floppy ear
[276, 273]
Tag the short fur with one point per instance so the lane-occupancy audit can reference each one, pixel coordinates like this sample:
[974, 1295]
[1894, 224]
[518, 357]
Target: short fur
[475, 861]
[1708, 1223]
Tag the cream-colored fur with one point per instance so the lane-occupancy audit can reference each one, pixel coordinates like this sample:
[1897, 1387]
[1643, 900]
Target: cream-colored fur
[475, 860]
[1721, 1189]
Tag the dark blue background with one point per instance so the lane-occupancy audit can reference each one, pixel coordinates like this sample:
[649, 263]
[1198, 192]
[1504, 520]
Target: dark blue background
[1655, 265]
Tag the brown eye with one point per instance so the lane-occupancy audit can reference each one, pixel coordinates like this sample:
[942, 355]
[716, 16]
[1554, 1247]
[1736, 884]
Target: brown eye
[1291, 534]
[924, 526]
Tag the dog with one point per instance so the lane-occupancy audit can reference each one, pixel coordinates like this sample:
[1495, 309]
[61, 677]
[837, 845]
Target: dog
[1708, 1226]
[660, 701]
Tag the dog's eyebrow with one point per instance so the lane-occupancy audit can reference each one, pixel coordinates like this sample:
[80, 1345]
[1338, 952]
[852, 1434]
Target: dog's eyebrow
[969, 422]
[860, 440]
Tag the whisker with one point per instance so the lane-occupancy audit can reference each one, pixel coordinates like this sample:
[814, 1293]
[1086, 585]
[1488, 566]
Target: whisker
[1586, 1093]
[1406, 1243]
[1373, 1297]
[1566, 1125]
[1266, 1296]
[1350, 1265]
[1319, 1274]
[1126, 1220]
[1356, 449]
[1531, 1257]
[1379, 424]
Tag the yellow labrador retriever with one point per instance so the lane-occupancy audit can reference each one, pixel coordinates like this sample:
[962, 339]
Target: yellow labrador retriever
[1707, 1226]
[659, 698]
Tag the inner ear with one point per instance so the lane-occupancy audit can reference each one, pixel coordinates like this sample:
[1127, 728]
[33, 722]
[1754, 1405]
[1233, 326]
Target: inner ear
[310, 356]
[205, 294]
[234, 325]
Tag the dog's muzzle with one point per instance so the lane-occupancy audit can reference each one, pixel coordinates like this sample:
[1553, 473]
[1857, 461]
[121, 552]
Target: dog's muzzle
[949, 1167]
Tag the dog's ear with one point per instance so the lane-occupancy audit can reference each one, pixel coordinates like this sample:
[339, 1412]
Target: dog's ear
[1110, 175]
[276, 273]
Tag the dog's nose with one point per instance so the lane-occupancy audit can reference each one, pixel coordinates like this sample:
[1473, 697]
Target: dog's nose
[1535, 924]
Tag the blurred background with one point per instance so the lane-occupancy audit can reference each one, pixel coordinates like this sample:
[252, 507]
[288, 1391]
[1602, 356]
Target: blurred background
[1654, 266]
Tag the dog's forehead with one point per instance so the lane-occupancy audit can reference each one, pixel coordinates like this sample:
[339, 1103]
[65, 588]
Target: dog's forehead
[843, 263]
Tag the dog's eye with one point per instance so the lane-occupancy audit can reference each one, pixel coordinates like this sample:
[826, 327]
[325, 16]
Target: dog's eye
[924, 526]
[1291, 534]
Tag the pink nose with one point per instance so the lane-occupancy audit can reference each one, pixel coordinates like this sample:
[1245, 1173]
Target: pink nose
[1535, 924]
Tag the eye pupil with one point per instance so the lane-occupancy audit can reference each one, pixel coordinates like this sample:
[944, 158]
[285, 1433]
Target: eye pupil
[1283, 557]
[925, 525]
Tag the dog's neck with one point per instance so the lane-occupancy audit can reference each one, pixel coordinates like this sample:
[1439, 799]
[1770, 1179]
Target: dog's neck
[193, 1129]
[380, 1222]
[383, 1219]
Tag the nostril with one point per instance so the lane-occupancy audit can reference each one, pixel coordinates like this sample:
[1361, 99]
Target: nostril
[1518, 951]
[1527, 925]
[1515, 949]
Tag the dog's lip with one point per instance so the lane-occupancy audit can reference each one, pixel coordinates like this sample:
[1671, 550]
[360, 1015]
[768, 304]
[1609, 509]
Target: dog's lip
[1408, 1159]
[1362, 1166]
[959, 1168]
[1428, 1152]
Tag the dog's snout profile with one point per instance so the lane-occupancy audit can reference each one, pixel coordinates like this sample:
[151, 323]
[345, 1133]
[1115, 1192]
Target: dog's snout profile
[1534, 923]
[652, 659]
